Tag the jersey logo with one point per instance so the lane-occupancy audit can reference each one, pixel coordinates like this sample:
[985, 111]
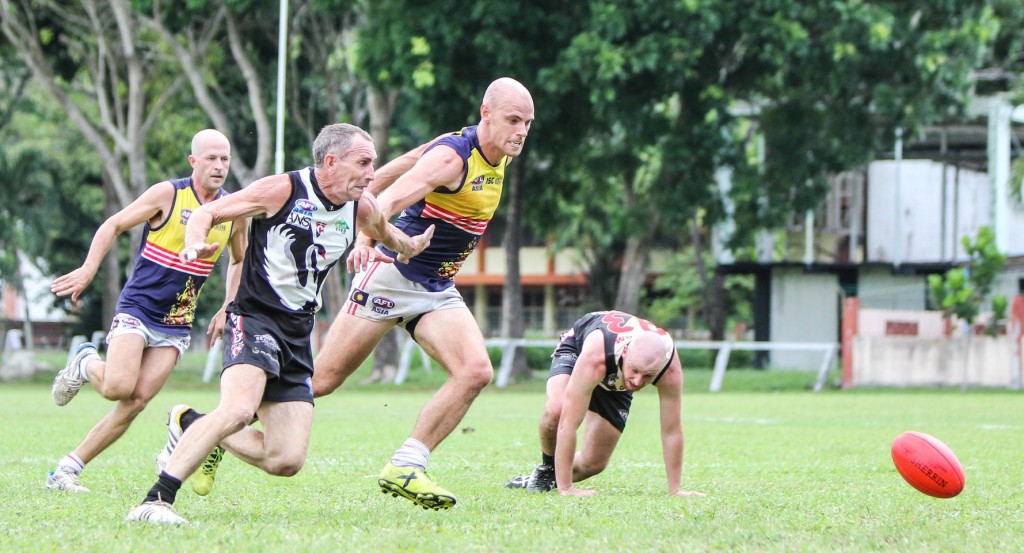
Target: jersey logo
[320, 228]
[302, 213]
[477, 184]
[185, 214]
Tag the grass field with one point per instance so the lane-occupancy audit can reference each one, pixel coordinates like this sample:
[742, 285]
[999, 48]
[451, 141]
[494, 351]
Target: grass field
[784, 470]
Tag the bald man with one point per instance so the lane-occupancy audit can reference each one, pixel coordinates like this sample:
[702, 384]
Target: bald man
[153, 320]
[453, 182]
[596, 367]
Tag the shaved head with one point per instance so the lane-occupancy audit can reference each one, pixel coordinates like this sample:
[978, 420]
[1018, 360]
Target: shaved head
[649, 351]
[505, 90]
[208, 138]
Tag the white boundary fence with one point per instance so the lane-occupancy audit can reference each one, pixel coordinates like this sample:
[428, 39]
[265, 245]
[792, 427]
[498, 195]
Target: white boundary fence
[509, 345]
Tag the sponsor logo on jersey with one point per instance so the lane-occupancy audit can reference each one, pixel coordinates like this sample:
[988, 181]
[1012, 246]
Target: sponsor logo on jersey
[302, 213]
[477, 184]
[341, 226]
[358, 296]
[185, 214]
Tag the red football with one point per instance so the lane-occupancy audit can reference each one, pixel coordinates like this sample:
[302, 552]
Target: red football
[927, 464]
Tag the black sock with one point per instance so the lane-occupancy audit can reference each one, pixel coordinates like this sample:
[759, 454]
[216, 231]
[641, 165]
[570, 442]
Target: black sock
[188, 417]
[546, 459]
[165, 489]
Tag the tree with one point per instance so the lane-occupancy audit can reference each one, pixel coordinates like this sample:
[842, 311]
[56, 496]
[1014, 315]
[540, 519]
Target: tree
[963, 290]
[676, 91]
[25, 218]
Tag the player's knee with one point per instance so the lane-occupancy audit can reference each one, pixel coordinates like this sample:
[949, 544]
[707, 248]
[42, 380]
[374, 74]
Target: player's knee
[549, 419]
[132, 406]
[284, 466]
[478, 375]
[231, 419]
[585, 468]
[116, 391]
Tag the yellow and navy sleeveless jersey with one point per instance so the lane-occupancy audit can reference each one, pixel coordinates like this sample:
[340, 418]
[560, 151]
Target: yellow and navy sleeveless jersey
[459, 217]
[162, 290]
[618, 330]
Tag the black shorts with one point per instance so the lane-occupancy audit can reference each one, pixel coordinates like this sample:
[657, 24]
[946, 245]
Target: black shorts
[282, 350]
[610, 406]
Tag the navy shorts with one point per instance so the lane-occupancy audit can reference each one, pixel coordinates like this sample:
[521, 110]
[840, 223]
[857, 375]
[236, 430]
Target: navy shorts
[610, 406]
[283, 351]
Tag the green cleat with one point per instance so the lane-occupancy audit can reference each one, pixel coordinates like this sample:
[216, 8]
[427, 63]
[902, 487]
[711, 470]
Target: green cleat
[415, 485]
[202, 479]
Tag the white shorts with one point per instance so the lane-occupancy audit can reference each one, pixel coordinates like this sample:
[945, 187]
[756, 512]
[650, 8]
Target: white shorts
[381, 293]
[124, 323]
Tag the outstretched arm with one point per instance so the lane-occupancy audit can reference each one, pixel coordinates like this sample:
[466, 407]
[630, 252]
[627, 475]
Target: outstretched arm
[151, 204]
[586, 375]
[670, 402]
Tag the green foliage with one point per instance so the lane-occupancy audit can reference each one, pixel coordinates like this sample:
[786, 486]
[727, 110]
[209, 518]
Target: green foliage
[963, 290]
[680, 289]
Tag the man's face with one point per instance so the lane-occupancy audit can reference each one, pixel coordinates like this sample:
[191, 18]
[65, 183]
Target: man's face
[510, 121]
[211, 163]
[633, 377]
[353, 172]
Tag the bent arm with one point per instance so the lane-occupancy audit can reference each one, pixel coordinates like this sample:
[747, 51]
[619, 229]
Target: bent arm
[265, 196]
[387, 174]
[153, 202]
[375, 226]
[237, 244]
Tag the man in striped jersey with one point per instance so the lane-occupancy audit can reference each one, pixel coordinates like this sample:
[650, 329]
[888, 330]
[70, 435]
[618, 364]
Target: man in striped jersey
[454, 183]
[153, 321]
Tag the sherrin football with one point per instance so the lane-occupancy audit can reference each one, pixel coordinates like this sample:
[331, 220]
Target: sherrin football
[927, 464]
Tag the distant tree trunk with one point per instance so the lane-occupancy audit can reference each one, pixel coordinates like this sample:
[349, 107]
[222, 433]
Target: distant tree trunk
[633, 268]
[633, 274]
[27, 326]
[512, 324]
[112, 262]
[714, 287]
[381, 108]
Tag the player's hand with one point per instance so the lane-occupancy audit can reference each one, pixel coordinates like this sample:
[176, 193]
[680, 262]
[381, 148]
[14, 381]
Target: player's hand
[200, 250]
[216, 327]
[73, 283]
[688, 493]
[574, 491]
[420, 243]
[362, 256]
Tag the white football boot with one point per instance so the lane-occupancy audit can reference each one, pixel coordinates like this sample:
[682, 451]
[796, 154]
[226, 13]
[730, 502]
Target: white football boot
[156, 512]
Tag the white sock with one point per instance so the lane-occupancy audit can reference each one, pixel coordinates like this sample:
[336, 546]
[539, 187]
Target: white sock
[83, 373]
[412, 454]
[71, 463]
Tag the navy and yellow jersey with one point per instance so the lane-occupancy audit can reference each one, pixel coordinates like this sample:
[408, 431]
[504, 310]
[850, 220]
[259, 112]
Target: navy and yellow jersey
[618, 329]
[162, 290]
[459, 217]
[291, 251]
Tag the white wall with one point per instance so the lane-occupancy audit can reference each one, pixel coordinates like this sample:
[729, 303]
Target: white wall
[926, 220]
[805, 308]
